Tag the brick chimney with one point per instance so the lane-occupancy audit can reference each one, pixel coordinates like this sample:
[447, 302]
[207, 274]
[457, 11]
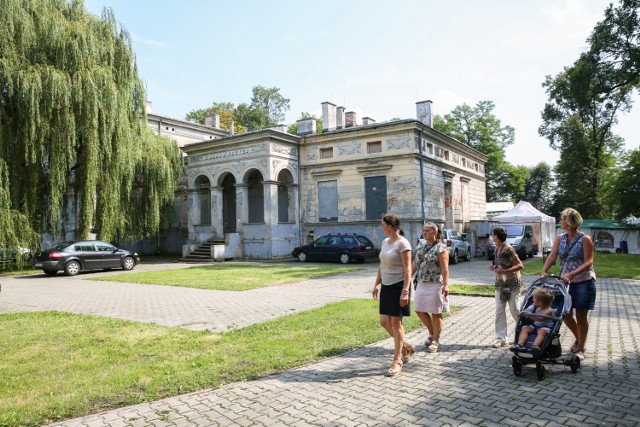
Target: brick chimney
[350, 119]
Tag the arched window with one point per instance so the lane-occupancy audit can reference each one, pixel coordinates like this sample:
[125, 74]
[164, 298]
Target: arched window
[285, 180]
[204, 199]
[256, 196]
[604, 240]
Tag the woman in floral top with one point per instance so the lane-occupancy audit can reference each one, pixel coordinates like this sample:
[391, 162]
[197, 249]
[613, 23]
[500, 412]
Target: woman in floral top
[576, 269]
[431, 265]
[507, 268]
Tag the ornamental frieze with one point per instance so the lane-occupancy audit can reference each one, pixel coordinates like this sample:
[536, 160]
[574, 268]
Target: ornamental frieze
[345, 150]
[283, 149]
[398, 143]
[228, 154]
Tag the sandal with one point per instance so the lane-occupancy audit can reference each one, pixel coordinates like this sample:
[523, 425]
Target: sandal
[407, 352]
[394, 369]
[574, 347]
[428, 342]
[580, 354]
[433, 347]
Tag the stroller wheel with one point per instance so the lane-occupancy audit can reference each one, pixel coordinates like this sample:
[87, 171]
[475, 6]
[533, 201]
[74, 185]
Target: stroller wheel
[517, 366]
[574, 364]
[540, 370]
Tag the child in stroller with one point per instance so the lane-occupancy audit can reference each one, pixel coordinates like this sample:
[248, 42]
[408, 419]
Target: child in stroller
[538, 345]
[543, 317]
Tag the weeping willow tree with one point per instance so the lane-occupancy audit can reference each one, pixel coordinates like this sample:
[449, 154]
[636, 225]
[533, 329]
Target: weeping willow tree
[73, 133]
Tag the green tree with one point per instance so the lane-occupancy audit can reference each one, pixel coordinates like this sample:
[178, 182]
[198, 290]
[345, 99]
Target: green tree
[267, 108]
[624, 187]
[584, 100]
[73, 131]
[539, 187]
[479, 128]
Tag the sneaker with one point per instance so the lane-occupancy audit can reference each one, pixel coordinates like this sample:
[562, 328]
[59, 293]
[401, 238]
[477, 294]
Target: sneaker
[500, 344]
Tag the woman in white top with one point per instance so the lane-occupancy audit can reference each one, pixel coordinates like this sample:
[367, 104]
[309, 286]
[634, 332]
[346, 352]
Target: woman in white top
[394, 278]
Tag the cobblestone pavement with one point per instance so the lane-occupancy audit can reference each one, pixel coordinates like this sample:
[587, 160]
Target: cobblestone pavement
[466, 383]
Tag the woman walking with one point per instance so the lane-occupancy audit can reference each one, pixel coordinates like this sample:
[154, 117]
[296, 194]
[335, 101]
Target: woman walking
[576, 269]
[507, 268]
[431, 265]
[392, 288]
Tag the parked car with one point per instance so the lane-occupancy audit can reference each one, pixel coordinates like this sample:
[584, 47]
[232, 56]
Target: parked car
[520, 236]
[13, 254]
[84, 255]
[458, 246]
[343, 247]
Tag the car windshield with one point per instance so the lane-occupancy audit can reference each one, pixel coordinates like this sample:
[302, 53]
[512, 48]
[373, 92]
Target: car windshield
[514, 230]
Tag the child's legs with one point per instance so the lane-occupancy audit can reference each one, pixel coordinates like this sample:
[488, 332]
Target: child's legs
[540, 338]
[524, 334]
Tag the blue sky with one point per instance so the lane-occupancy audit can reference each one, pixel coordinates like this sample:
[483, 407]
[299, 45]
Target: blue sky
[377, 58]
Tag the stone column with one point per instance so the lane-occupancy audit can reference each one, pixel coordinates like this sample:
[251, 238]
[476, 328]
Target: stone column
[294, 206]
[242, 206]
[217, 226]
[270, 202]
[194, 212]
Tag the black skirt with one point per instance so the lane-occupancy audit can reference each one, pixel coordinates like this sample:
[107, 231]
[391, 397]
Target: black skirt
[390, 300]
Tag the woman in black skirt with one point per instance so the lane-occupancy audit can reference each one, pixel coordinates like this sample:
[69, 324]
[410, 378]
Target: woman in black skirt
[394, 278]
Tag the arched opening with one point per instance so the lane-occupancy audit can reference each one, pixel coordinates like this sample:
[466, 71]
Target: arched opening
[285, 181]
[255, 192]
[203, 187]
[229, 204]
[604, 240]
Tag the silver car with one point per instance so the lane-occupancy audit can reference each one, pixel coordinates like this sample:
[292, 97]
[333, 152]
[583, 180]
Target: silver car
[458, 246]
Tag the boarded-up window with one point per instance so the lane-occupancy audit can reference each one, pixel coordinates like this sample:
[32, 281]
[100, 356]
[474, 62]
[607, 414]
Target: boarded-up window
[374, 147]
[326, 153]
[327, 201]
[375, 196]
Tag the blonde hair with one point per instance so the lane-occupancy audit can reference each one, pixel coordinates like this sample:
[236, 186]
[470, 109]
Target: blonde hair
[545, 296]
[572, 217]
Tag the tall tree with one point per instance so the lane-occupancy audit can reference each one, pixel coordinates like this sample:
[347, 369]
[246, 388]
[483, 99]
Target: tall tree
[622, 195]
[73, 130]
[479, 128]
[584, 100]
[539, 187]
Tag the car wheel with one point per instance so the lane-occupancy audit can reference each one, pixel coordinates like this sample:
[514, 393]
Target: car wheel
[72, 268]
[467, 257]
[345, 258]
[302, 257]
[128, 263]
[50, 272]
[454, 258]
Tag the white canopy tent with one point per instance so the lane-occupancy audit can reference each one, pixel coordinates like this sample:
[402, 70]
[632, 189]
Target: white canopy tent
[544, 226]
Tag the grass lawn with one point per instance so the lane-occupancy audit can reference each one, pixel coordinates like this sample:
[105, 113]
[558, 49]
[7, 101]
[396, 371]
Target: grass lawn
[231, 276]
[57, 365]
[621, 266]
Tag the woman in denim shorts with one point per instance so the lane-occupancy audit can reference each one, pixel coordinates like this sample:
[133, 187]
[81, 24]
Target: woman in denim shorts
[576, 269]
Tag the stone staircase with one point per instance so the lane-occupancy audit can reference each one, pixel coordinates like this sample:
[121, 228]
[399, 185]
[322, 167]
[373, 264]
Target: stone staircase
[202, 253]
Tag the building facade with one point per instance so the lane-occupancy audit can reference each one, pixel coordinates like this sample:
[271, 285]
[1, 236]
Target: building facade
[265, 192]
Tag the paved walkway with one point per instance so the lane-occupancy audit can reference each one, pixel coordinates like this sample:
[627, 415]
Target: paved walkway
[466, 383]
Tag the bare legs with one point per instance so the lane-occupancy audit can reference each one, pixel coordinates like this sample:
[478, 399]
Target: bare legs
[393, 325]
[433, 323]
[579, 326]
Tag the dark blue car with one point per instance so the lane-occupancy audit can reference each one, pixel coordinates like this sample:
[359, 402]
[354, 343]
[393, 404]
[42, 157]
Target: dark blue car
[337, 247]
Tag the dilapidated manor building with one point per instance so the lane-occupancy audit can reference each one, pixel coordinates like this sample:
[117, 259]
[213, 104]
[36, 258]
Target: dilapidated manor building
[260, 194]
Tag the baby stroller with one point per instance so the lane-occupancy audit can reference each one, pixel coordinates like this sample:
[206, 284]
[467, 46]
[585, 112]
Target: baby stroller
[550, 350]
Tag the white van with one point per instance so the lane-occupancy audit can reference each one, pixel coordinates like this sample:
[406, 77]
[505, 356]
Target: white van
[520, 236]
